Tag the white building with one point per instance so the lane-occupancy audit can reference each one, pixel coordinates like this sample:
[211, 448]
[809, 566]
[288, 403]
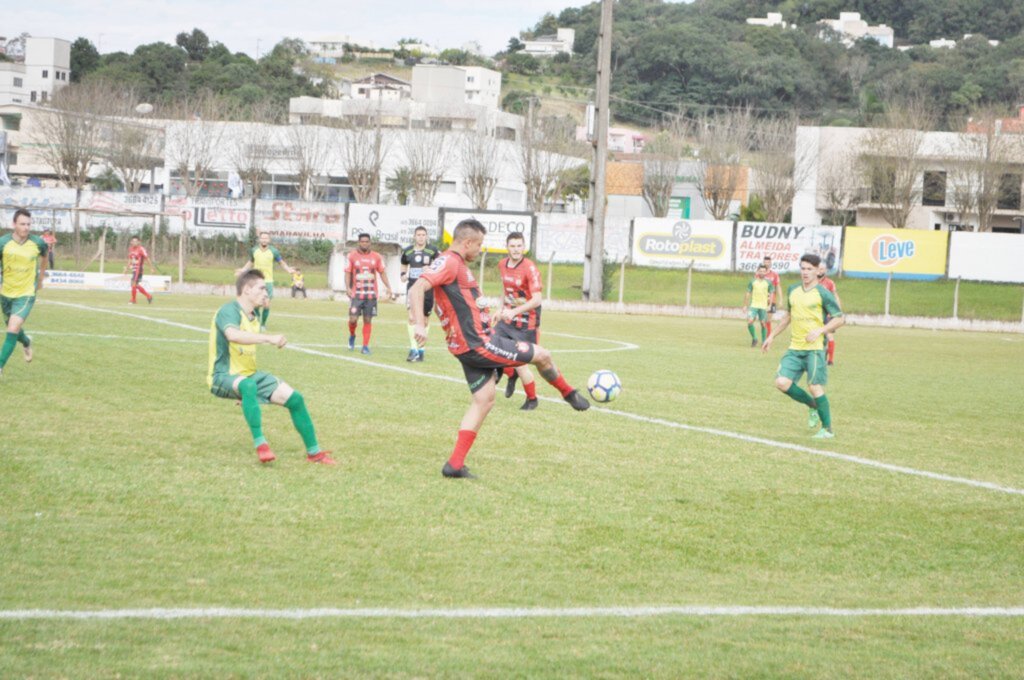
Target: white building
[380, 86]
[620, 140]
[852, 28]
[46, 68]
[550, 45]
[436, 84]
[773, 19]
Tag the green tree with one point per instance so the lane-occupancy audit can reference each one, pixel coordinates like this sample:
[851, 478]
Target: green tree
[196, 44]
[85, 58]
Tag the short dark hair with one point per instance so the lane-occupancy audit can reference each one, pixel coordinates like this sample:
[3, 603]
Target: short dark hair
[246, 279]
[768, 257]
[810, 258]
[463, 229]
[262, 232]
[514, 235]
[21, 212]
[362, 235]
[761, 266]
[420, 228]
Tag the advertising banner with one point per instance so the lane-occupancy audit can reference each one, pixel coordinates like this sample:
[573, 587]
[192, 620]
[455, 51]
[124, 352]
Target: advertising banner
[499, 226]
[119, 202]
[659, 242]
[210, 216]
[561, 234]
[65, 280]
[392, 223]
[50, 208]
[294, 220]
[906, 253]
[785, 244]
[986, 257]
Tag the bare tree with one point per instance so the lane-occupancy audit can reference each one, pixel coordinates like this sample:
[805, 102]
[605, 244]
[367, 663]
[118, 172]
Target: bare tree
[481, 157]
[722, 142]
[984, 159]
[839, 188]
[781, 164]
[363, 148]
[547, 148]
[661, 165]
[892, 160]
[134, 146]
[251, 149]
[313, 145]
[427, 153]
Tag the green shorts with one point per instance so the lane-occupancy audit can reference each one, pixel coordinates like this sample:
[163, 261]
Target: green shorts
[223, 385]
[19, 306]
[270, 290]
[796, 362]
[755, 314]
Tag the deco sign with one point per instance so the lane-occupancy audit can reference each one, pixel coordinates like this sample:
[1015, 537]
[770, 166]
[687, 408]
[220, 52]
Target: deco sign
[682, 243]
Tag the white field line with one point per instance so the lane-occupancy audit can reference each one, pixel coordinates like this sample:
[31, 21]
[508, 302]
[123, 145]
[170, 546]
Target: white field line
[505, 613]
[858, 460]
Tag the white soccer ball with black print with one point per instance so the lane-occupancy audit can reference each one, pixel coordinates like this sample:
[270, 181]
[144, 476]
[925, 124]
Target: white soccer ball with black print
[604, 386]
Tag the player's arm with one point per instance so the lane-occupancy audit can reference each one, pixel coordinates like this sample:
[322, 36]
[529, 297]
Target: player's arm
[777, 328]
[832, 308]
[404, 276]
[240, 337]
[284, 265]
[746, 296]
[419, 320]
[384, 279]
[41, 273]
[246, 267]
[350, 280]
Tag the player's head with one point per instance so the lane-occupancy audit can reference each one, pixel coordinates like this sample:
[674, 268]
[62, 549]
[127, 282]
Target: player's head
[420, 236]
[767, 262]
[264, 239]
[134, 242]
[48, 231]
[252, 286]
[468, 238]
[822, 270]
[809, 268]
[22, 222]
[761, 271]
[516, 244]
[364, 242]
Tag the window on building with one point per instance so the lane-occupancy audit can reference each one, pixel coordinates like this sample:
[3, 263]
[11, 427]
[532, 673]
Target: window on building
[446, 188]
[46, 74]
[505, 133]
[17, 82]
[883, 183]
[11, 121]
[42, 96]
[440, 123]
[1009, 192]
[934, 192]
[33, 96]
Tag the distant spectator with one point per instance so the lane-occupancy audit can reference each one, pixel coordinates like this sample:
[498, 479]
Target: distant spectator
[298, 282]
[51, 243]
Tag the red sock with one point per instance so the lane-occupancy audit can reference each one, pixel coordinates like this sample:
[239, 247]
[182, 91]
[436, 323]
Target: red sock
[134, 289]
[831, 351]
[509, 372]
[560, 385]
[143, 291]
[768, 324]
[367, 329]
[352, 327]
[462, 445]
[531, 390]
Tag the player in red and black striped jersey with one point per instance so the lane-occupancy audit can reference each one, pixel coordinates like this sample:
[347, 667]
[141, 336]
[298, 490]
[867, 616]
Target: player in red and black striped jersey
[467, 326]
[137, 257]
[830, 338]
[520, 311]
[361, 280]
[773, 278]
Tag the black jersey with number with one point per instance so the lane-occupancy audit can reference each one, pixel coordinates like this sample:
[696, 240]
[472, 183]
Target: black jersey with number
[418, 261]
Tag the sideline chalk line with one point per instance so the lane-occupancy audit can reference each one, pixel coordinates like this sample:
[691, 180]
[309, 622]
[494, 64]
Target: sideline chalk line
[858, 460]
[501, 613]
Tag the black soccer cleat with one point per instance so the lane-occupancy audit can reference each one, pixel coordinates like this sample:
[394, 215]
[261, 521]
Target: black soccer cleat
[529, 405]
[510, 386]
[412, 355]
[451, 473]
[577, 400]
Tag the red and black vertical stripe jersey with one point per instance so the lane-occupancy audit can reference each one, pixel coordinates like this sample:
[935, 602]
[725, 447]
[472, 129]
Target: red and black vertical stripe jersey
[137, 257]
[521, 282]
[364, 268]
[465, 324]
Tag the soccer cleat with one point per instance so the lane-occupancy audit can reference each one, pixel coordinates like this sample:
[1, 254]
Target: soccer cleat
[263, 329]
[423, 354]
[265, 454]
[364, 350]
[417, 357]
[413, 354]
[510, 386]
[149, 300]
[451, 473]
[351, 342]
[823, 434]
[28, 353]
[324, 458]
[831, 363]
[529, 405]
[577, 400]
[753, 343]
[813, 419]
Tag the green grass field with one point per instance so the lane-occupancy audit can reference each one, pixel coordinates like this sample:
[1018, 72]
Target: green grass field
[125, 485]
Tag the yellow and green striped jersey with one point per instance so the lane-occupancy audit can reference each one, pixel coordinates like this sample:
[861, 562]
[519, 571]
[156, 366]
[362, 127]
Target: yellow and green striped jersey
[264, 261]
[229, 357]
[807, 310]
[759, 290]
[20, 264]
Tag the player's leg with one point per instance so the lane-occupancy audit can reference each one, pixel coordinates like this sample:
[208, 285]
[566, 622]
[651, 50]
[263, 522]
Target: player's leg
[831, 349]
[817, 378]
[353, 321]
[546, 367]
[791, 368]
[414, 347]
[369, 311]
[750, 328]
[15, 311]
[481, 384]
[284, 395]
[233, 386]
[137, 284]
[529, 386]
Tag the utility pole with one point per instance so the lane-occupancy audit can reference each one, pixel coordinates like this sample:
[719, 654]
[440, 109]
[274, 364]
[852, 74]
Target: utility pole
[593, 267]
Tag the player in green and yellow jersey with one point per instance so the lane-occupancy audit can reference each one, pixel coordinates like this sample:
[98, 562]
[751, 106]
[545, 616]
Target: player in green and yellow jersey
[759, 292]
[23, 262]
[234, 334]
[262, 258]
[807, 304]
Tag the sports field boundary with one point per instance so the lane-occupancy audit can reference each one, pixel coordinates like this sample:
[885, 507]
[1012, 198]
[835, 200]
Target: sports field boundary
[692, 611]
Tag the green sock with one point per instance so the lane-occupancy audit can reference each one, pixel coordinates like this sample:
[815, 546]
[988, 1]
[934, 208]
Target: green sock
[296, 405]
[9, 342]
[798, 394]
[764, 333]
[266, 313]
[412, 337]
[251, 410]
[824, 412]
[750, 329]
[23, 338]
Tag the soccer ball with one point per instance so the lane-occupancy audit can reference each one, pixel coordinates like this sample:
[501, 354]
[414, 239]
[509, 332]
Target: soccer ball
[604, 386]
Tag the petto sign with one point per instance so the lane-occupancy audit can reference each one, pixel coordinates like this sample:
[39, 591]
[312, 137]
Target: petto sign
[675, 243]
[785, 244]
[905, 253]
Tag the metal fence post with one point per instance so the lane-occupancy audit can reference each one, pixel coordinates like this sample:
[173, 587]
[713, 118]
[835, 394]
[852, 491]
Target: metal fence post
[483, 258]
[622, 279]
[888, 293]
[551, 267]
[689, 283]
[956, 299]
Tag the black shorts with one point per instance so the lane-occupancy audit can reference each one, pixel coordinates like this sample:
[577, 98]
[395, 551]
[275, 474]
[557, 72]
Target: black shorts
[496, 354]
[507, 330]
[368, 308]
[428, 299]
[136, 278]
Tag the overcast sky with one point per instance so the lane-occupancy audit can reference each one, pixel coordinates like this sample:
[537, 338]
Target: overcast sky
[121, 25]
